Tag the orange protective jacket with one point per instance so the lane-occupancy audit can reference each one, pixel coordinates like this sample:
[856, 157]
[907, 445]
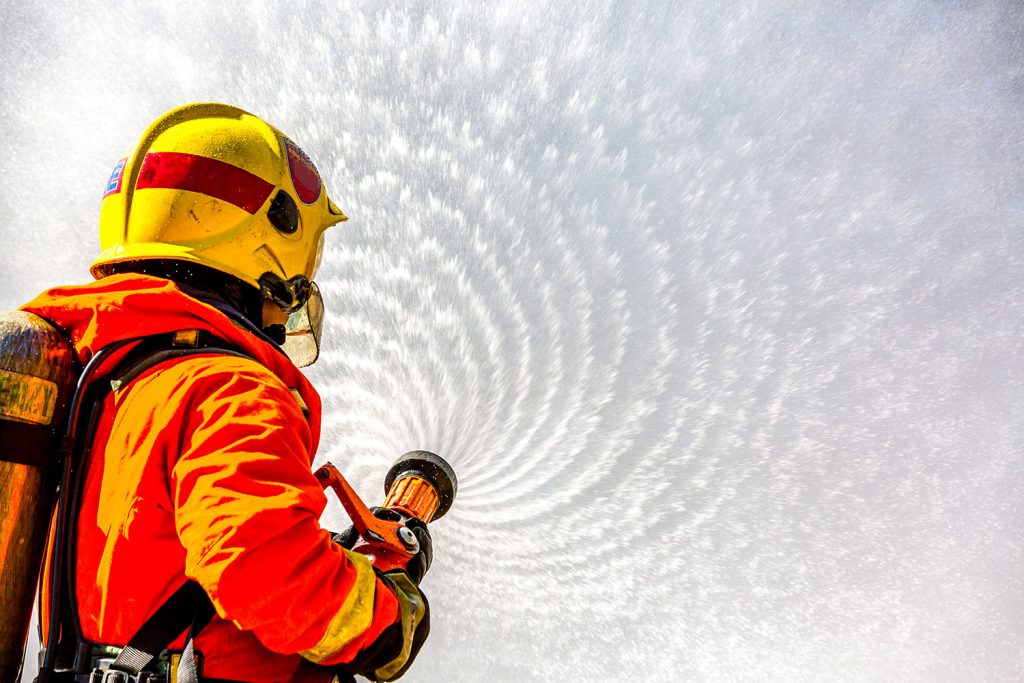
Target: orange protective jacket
[201, 468]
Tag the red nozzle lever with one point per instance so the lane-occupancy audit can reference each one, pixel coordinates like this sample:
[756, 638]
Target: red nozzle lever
[391, 537]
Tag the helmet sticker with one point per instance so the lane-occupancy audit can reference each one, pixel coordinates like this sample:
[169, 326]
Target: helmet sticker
[304, 174]
[212, 177]
[114, 182]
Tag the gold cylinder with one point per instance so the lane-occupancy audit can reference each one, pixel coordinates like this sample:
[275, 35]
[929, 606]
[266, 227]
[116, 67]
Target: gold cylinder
[413, 496]
[36, 381]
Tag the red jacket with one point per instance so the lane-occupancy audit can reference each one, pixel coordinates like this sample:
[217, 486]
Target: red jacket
[201, 468]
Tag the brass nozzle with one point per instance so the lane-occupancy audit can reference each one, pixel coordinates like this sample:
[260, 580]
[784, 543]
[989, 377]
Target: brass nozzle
[421, 484]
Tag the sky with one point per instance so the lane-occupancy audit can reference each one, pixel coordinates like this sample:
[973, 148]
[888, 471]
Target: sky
[714, 306]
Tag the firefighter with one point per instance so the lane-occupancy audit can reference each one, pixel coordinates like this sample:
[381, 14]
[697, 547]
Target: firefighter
[199, 468]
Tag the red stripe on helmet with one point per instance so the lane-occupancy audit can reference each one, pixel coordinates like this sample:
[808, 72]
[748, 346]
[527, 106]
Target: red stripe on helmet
[214, 178]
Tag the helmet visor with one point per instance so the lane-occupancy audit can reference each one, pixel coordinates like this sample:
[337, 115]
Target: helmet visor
[302, 331]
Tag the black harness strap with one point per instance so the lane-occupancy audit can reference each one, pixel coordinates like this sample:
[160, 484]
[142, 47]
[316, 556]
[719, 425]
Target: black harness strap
[189, 607]
[156, 350]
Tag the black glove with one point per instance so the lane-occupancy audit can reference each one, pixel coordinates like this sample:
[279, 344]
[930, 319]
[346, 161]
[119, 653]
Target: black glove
[419, 563]
[392, 653]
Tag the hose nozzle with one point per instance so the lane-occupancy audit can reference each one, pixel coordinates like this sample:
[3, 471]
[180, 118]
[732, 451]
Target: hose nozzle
[422, 485]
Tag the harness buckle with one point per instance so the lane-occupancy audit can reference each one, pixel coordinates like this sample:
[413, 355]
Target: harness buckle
[99, 675]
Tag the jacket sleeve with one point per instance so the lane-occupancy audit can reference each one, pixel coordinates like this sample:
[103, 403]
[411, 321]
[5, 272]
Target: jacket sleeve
[247, 511]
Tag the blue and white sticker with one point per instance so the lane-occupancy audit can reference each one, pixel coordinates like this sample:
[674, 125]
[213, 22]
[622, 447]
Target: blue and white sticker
[114, 183]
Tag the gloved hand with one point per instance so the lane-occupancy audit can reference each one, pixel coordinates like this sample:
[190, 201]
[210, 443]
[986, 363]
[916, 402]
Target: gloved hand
[419, 563]
[393, 652]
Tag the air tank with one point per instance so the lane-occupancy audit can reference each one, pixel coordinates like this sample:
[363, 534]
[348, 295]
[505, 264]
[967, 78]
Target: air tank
[37, 378]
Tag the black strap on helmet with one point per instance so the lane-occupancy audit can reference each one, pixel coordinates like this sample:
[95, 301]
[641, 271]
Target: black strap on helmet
[289, 295]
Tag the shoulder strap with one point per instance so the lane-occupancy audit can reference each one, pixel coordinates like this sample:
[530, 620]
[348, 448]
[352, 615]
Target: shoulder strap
[153, 351]
[189, 607]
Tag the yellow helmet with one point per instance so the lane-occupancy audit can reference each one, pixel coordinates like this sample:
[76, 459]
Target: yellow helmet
[215, 185]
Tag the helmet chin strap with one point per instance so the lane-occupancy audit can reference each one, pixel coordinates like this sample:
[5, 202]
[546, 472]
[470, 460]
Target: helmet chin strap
[289, 295]
[274, 321]
[277, 333]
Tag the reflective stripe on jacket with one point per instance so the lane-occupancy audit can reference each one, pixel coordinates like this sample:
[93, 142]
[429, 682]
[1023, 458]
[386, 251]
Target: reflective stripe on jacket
[202, 468]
